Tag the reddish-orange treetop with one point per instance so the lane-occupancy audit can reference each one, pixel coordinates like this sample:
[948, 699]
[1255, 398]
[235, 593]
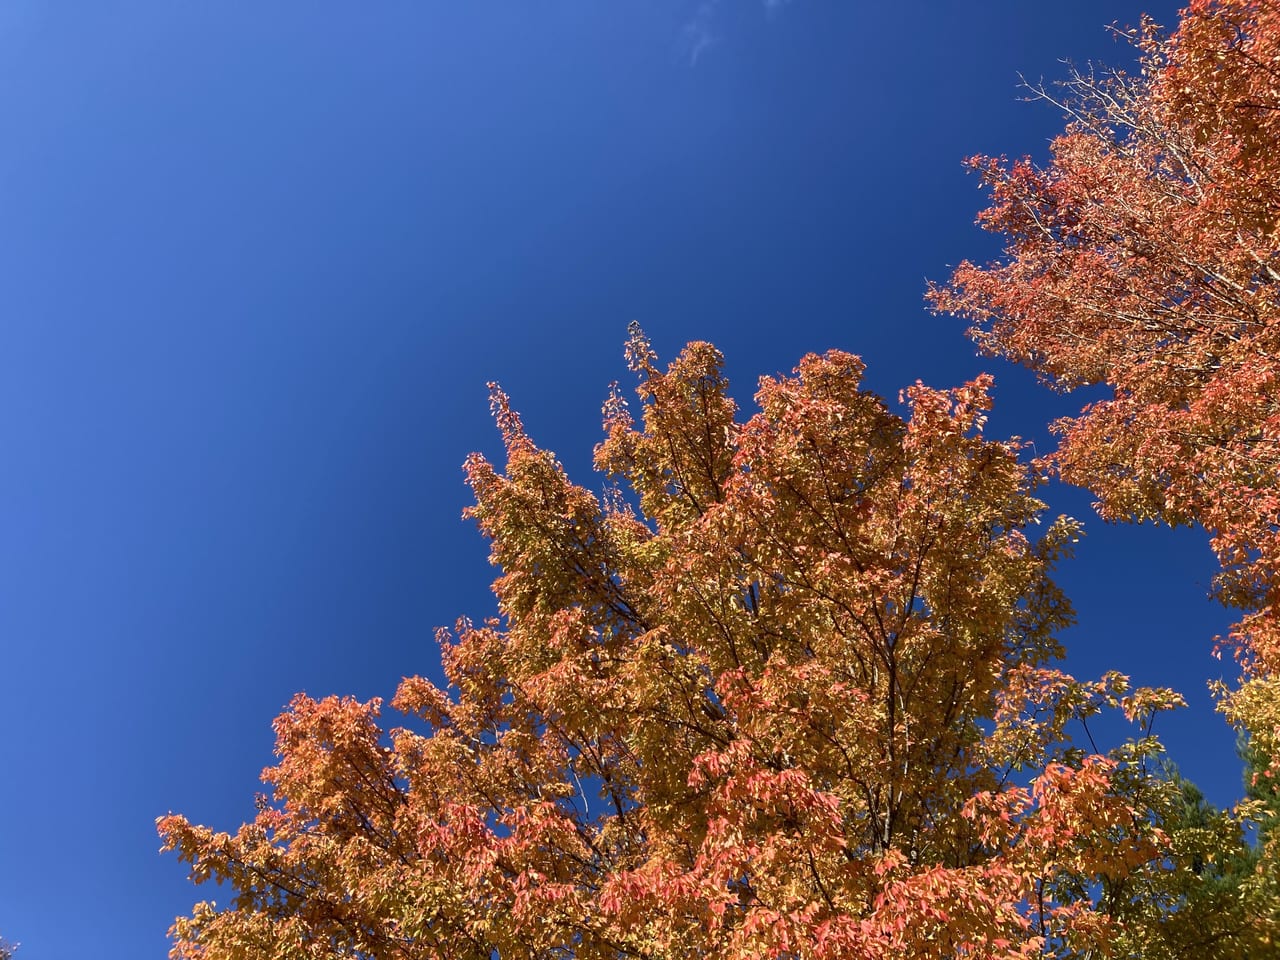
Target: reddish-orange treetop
[786, 690]
[1146, 256]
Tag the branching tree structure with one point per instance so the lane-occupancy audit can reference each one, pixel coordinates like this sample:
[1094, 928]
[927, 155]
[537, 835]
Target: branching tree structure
[787, 690]
[1146, 256]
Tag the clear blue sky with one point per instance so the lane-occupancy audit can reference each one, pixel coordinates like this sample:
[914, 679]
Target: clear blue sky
[257, 261]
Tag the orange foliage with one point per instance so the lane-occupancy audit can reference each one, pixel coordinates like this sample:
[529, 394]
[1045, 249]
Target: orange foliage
[785, 691]
[1146, 256]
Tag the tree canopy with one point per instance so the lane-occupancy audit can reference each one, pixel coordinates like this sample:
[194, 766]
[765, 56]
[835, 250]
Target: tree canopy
[790, 686]
[787, 689]
[1146, 256]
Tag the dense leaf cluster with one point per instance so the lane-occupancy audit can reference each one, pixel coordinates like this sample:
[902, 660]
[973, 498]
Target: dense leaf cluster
[786, 690]
[789, 688]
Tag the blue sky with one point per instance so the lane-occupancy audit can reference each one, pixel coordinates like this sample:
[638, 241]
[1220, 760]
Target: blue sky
[257, 262]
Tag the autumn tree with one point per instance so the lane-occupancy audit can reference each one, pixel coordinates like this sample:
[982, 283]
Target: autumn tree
[787, 689]
[1145, 256]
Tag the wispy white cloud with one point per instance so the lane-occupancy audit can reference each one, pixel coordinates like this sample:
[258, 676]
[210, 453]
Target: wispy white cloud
[699, 33]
